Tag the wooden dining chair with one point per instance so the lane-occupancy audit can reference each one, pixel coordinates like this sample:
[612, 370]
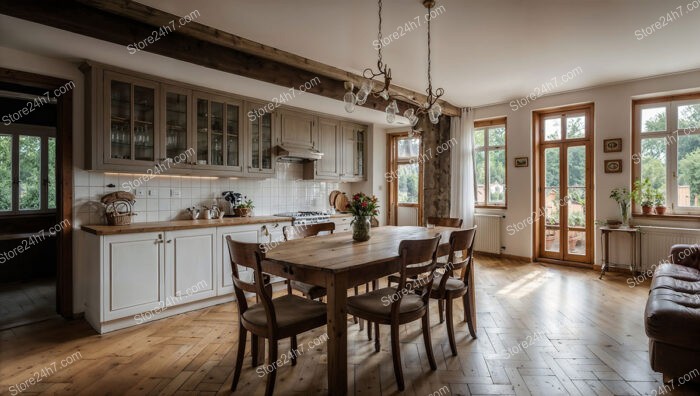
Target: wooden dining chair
[271, 318]
[447, 286]
[304, 231]
[445, 221]
[438, 222]
[395, 306]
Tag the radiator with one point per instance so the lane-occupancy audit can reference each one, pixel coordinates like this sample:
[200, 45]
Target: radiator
[657, 241]
[488, 233]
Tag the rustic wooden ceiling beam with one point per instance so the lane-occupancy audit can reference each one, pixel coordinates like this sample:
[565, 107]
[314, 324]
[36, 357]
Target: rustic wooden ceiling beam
[155, 17]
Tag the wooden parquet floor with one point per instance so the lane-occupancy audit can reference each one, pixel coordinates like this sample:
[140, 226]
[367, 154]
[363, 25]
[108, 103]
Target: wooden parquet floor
[591, 342]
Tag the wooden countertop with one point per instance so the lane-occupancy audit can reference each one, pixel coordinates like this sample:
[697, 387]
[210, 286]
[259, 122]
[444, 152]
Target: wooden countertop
[172, 225]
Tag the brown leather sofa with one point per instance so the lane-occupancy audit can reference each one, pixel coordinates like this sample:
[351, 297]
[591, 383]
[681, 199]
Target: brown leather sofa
[672, 315]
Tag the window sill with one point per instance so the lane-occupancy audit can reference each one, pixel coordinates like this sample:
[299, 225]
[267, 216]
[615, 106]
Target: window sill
[490, 207]
[667, 216]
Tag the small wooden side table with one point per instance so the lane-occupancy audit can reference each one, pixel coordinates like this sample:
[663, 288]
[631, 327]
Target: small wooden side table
[605, 242]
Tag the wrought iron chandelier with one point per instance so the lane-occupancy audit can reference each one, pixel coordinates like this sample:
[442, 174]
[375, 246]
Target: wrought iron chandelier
[431, 108]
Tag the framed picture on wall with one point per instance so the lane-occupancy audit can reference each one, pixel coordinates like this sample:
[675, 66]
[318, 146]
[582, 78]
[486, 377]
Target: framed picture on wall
[521, 162]
[612, 145]
[613, 166]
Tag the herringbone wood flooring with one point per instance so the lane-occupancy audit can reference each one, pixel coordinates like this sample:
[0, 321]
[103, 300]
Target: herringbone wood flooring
[593, 343]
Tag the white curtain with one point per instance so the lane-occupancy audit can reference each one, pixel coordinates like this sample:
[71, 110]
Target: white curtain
[462, 167]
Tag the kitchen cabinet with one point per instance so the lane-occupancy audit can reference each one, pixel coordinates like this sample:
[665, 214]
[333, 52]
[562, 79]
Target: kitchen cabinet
[190, 264]
[131, 118]
[297, 129]
[329, 140]
[353, 152]
[342, 224]
[261, 131]
[133, 269]
[218, 142]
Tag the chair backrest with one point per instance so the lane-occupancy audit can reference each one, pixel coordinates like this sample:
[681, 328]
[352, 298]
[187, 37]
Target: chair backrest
[251, 256]
[445, 221]
[418, 258]
[460, 241]
[306, 230]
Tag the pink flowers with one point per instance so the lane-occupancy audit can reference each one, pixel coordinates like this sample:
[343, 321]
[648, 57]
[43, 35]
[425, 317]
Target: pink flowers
[363, 205]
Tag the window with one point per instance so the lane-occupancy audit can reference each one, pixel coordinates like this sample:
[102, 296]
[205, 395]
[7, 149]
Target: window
[27, 169]
[667, 150]
[490, 162]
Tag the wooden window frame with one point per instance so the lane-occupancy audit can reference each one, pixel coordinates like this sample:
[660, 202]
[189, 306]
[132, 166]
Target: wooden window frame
[671, 134]
[392, 182]
[44, 133]
[489, 123]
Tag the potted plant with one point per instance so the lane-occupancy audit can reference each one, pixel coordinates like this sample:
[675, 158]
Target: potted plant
[362, 207]
[551, 219]
[659, 202]
[644, 195]
[622, 196]
[575, 220]
[244, 209]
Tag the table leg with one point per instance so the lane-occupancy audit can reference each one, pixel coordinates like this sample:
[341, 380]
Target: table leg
[337, 334]
[606, 253]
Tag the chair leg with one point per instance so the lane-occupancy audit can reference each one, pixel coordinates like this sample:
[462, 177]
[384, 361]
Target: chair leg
[239, 357]
[470, 314]
[354, 318]
[293, 352]
[450, 327]
[396, 355]
[254, 350]
[271, 357]
[377, 346]
[441, 310]
[427, 341]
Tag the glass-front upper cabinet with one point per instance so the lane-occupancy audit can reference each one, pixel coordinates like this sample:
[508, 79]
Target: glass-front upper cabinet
[177, 139]
[131, 120]
[262, 135]
[359, 154]
[218, 137]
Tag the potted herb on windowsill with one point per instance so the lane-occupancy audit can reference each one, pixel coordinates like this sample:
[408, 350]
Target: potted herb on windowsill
[244, 209]
[644, 195]
[659, 201]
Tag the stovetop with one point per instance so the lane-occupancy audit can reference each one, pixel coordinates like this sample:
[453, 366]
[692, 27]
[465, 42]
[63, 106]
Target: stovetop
[306, 217]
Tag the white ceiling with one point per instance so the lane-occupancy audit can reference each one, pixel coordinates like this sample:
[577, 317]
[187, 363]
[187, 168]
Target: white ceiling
[484, 51]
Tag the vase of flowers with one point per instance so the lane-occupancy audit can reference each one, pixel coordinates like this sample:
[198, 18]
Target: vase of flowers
[362, 207]
[622, 196]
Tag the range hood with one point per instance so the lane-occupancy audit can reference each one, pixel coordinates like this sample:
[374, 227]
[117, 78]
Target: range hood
[286, 153]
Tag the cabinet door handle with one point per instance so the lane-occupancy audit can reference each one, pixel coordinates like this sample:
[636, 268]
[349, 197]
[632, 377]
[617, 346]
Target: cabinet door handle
[169, 240]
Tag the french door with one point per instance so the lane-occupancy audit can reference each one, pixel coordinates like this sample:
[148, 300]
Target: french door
[565, 185]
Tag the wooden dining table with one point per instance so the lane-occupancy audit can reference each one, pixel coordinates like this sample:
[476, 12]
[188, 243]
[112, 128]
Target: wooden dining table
[338, 263]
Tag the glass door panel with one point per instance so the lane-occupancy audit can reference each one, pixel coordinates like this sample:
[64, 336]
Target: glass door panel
[144, 118]
[175, 124]
[552, 198]
[255, 141]
[202, 131]
[576, 202]
[120, 119]
[217, 133]
[51, 200]
[233, 140]
[266, 141]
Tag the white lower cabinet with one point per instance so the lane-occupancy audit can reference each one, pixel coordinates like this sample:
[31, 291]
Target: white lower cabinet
[133, 269]
[342, 224]
[190, 265]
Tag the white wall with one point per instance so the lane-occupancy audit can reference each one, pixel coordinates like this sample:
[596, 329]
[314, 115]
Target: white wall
[612, 119]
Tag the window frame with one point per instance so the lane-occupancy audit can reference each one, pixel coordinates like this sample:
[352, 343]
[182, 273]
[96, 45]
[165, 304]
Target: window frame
[671, 137]
[487, 124]
[409, 161]
[44, 133]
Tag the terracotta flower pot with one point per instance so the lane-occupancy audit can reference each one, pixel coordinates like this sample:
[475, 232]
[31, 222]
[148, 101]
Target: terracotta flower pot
[660, 210]
[646, 209]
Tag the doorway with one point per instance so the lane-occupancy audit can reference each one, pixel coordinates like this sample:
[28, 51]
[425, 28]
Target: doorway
[36, 205]
[564, 185]
[405, 179]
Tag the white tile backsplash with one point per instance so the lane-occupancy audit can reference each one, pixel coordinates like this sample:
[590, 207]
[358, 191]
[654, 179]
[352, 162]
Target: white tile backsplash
[286, 192]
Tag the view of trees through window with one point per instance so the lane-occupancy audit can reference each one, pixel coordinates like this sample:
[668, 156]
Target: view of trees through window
[35, 158]
[408, 169]
[490, 165]
[660, 140]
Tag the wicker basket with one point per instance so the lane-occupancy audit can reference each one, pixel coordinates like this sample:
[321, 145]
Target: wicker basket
[119, 207]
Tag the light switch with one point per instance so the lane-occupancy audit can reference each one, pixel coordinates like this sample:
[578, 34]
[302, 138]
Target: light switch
[175, 193]
[139, 192]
